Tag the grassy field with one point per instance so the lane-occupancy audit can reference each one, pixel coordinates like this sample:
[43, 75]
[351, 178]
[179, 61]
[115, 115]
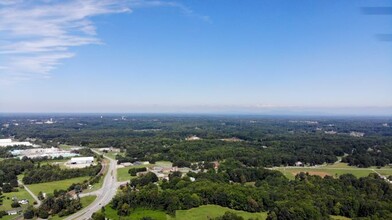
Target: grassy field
[334, 170]
[87, 200]
[49, 187]
[164, 164]
[56, 217]
[9, 217]
[123, 175]
[213, 211]
[200, 213]
[61, 163]
[336, 217]
[154, 214]
[66, 147]
[110, 213]
[95, 186]
[21, 194]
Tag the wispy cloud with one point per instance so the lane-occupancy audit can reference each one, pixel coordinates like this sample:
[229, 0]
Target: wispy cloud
[184, 9]
[36, 35]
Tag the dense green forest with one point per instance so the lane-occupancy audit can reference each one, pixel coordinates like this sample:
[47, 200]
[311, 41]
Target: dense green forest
[307, 197]
[244, 146]
[263, 141]
[10, 169]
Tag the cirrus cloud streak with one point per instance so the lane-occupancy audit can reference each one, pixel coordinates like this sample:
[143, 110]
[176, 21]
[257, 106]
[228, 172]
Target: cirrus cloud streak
[36, 35]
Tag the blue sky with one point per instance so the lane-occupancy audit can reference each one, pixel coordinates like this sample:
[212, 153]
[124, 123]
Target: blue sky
[194, 56]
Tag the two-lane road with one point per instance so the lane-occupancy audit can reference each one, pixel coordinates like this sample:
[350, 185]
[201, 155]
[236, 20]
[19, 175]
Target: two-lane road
[104, 195]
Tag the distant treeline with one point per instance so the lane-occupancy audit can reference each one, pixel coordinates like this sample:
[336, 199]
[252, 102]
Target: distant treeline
[266, 141]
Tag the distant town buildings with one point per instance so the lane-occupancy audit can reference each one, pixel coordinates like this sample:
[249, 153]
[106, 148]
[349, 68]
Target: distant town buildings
[357, 134]
[49, 121]
[305, 122]
[192, 138]
[330, 132]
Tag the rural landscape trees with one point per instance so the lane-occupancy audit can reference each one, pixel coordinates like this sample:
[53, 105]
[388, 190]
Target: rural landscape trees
[233, 162]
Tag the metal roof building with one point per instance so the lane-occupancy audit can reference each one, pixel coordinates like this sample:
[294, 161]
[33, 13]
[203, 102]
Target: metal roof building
[81, 160]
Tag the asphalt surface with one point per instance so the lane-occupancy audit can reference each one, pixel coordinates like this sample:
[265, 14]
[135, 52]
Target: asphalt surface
[104, 194]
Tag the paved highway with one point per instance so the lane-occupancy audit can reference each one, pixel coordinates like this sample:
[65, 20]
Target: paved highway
[104, 194]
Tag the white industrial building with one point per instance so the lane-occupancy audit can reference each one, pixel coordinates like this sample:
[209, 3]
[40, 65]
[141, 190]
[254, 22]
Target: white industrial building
[9, 142]
[81, 160]
[43, 152]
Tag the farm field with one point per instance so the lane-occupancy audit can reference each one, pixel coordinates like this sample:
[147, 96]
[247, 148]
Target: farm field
[333, 170]
[7, 198]
[49, 187]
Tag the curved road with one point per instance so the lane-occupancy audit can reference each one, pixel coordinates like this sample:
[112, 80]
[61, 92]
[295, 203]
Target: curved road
[104, 194]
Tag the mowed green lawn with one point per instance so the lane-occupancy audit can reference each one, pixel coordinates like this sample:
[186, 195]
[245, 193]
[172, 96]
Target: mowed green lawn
[49, 187]
[87, 200]
[334, 170]
[200, 213]
[140, 213]
[123, 175]
[21, 194]
[213, 211]
[9, 217]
